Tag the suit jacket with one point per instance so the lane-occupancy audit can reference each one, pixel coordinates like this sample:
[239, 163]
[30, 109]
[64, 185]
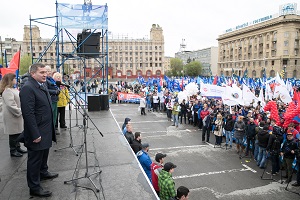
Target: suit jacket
[37, 115]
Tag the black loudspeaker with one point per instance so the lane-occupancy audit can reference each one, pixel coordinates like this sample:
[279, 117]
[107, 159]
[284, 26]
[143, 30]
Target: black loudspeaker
[94, 103]
[104, 101]
[91, 46]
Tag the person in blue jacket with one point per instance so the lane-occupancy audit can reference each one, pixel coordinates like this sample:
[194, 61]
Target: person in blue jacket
[145, 159]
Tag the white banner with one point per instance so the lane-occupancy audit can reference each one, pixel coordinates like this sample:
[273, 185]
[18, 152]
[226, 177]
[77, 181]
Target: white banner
[211, 90]
[233, 96]
[248, 95]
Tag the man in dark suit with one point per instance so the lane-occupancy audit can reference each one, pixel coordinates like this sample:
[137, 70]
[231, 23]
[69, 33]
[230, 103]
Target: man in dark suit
[39, 129]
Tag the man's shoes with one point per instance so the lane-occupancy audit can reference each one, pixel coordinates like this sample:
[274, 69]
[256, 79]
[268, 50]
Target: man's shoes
[284, 176]
[173, 124]
[296, 184]
[64, 126]
[49, 175]
[16, 154]
[40, 193]
[21, 150]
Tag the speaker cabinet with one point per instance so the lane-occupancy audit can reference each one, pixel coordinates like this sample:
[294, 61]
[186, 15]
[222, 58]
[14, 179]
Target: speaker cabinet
[94, 103]
[91, 46]
[104, 101]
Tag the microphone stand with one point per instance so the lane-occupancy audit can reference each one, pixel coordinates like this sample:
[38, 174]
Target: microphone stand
[87, 174]
[71, 145]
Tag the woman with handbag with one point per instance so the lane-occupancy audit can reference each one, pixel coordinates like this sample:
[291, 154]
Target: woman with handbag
[218, 129]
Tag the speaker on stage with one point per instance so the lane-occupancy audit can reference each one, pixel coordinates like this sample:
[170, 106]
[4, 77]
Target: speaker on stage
[104, 101]
[91, 46]
[94, 103]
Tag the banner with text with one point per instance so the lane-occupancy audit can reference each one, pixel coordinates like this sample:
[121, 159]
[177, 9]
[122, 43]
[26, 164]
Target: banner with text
[208, 90]
[128, 97]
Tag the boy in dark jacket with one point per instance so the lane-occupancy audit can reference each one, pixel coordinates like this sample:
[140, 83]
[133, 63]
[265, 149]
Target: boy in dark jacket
[137, 142]
[263, 139]
[228, 127]
[250, 134]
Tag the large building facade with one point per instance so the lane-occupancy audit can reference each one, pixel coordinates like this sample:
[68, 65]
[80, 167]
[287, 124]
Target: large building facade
[269, 44]
[208, 57]
[127, 58]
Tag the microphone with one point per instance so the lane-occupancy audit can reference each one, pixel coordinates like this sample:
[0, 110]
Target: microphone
[58, 83]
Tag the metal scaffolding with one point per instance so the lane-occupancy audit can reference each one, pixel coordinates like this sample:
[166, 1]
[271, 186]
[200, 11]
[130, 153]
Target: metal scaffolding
[87, 18]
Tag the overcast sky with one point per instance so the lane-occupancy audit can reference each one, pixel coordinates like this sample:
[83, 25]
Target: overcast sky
[199, 22]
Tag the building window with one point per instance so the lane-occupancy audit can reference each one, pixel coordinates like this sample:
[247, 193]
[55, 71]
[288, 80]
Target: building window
[295, 62]
[148, 73]
[128, 73]
[286, 43]
[286, 34]
[158, 73]
[273, 62]
[295, 73]
[141, 47]
[254, 74]
[285, 52]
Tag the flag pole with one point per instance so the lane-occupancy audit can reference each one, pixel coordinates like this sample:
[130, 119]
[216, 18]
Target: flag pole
[17, 75]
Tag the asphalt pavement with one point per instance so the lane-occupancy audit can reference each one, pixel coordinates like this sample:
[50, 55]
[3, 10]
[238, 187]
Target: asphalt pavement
[210, 173]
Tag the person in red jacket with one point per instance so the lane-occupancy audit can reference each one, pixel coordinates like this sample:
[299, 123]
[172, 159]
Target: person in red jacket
[204, 112]
[156, 167]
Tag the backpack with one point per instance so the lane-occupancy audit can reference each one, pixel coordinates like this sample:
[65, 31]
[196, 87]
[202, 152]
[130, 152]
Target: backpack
[276, 145]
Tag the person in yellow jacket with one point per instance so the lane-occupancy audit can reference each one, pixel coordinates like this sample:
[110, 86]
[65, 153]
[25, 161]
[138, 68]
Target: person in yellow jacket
[63, 100]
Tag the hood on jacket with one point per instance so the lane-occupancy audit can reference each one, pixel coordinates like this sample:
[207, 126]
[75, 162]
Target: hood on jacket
[139, 153]
[127, 120]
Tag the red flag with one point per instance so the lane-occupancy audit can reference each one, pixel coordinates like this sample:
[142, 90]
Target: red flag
[8, 70]
[15, 61]
[161, 82]
[296, 96]
[215, 80]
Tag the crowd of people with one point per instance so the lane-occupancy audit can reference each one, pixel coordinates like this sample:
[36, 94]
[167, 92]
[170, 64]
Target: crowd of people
[252, 129]
[158, 172]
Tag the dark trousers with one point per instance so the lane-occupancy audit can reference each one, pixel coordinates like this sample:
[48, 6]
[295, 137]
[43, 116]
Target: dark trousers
[275, 162]
[61, 114]
[200, 123]
[36, 165]
[298, 172]
[205, 131]
[183, 114]
[250, 141]
[196, 119]
[143, 111]
[218, 140]
[13, 144]
[288, 165]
